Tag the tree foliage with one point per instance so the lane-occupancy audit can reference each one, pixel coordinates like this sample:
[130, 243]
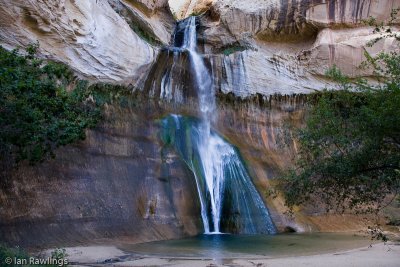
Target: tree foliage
[41, 107]
[350, 145]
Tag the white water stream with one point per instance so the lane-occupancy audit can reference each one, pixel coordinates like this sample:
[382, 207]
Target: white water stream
[217, 167]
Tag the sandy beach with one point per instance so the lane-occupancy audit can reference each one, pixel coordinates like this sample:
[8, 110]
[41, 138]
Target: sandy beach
[376, 255]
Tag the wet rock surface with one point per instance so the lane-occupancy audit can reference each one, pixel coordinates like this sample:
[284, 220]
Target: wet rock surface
[124, 183]
[119, 182]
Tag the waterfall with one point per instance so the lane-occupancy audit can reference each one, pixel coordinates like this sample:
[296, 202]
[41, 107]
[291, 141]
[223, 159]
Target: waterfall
[227, 196]
[229, 200]
[211, 158]
[203, 78]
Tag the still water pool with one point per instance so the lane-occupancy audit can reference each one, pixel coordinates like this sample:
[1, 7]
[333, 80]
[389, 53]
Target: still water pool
[232, 246]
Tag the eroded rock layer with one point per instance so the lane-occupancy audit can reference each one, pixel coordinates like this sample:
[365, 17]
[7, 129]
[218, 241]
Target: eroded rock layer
[277, 19]
[285, 47]
[120, 182]
[123, 184]
[89, 35]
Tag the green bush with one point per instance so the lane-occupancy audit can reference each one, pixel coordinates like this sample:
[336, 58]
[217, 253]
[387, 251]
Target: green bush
[227, 50]
[7, 253]
[350, 145]
[349, 154]
[41, 107]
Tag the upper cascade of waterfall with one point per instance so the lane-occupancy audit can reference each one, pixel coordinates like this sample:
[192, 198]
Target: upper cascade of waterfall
[190, 36]
[185, 35]
[185, 39]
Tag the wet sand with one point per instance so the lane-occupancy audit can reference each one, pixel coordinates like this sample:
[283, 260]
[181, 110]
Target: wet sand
[375, 255]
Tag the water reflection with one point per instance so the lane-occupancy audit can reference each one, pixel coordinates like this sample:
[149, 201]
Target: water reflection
[232, 246]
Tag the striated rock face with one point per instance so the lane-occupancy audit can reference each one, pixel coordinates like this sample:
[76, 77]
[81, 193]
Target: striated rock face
[151, 5]
[150, 19]
[285, 47]
[285, 68]
[346, 49]
[258, 129]
[87, 35]
[296, 19]
[122, 184]
[119, 182]
[349, 13]
[250, 72]
[185, 8]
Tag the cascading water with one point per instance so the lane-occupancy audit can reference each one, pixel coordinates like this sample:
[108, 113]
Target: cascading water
[228, 198]
[203, 78]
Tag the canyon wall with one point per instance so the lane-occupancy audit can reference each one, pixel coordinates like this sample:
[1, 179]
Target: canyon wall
[285, 47]
[123, 184]
[122, 181]
[90, 36]
[277, 47]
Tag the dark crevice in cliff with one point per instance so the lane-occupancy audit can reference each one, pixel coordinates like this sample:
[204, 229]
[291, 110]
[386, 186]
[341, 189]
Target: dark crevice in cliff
[288, 102]
[136, 22]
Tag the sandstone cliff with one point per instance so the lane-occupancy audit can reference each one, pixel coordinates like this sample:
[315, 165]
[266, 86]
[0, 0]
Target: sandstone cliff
[122, 184]
[90, 36]
[294, 18]
[285, 47]
[119, 183]
[269, 47]
[122, 181]
[185, 8]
